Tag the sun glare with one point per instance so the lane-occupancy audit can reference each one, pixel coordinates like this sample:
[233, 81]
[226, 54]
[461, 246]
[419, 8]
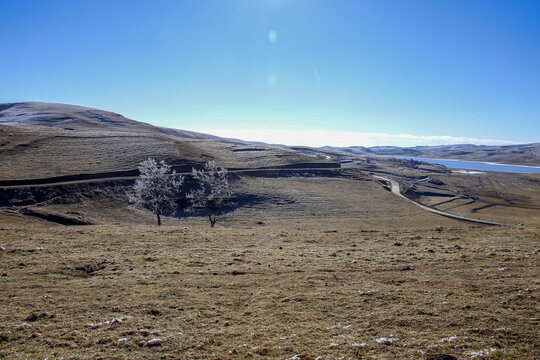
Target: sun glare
[272, 36]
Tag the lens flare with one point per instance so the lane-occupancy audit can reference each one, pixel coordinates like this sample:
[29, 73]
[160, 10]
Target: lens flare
[272, 36]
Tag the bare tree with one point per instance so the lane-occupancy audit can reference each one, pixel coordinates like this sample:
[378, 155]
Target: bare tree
[213, 192]
[155, 188]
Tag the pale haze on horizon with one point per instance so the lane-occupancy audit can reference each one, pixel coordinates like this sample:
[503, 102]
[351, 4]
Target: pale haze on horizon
[294, 72]
[320, 138]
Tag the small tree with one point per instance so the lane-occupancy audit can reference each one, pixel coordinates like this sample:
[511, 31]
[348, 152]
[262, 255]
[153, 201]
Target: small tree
[155, 188]
[213, 192]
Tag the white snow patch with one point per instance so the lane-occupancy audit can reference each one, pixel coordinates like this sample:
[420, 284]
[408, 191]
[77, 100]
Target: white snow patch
[359, 345]
[123, 339]
[367, 292]
[154, 341]
[470, 172]
[385, 340]
[108, 322]
[481, 353]
[338, 326]
[447, 339]
[295, 357]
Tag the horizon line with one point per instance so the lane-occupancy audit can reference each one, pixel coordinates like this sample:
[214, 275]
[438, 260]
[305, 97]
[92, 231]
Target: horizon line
[320, 138]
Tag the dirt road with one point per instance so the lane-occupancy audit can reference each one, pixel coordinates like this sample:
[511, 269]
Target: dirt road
[394, 187]
[96, 178]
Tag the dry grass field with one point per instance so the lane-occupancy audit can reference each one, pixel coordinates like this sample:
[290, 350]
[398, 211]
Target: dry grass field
[321, 267]
[268, 291]
[493, 196]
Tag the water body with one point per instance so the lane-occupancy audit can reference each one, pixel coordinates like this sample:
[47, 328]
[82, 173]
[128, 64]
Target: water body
[480, 166]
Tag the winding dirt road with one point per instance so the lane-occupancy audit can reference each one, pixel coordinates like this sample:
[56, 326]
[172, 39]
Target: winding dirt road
[394, 187]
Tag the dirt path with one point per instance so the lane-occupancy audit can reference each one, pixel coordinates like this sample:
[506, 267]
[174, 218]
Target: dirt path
[394, 187]
[51, 182]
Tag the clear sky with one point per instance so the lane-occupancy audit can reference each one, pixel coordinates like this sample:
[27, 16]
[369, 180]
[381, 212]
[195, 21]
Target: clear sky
[310, 72]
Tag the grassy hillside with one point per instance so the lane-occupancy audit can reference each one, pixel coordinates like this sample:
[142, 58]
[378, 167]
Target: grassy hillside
[523, 154]
[45, 140]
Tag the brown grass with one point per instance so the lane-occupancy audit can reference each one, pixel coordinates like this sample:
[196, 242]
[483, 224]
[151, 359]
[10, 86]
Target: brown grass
[267, 292]
[493, 196]
[32, 152]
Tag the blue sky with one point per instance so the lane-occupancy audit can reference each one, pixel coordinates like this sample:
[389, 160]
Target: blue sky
[309, 72]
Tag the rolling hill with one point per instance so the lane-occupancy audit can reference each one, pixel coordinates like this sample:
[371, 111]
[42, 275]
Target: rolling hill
[522, 154]
[43, 140]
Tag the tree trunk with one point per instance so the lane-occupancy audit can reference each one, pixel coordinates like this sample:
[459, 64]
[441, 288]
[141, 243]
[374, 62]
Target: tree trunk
[212, 219]
[158, 219]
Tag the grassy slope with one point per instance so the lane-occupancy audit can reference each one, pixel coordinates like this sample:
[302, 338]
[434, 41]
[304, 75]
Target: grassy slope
[267, 291]
[35, 153]
[493, 196]
[44, 140]
[520, 155]
[526, 154]
[324, 275]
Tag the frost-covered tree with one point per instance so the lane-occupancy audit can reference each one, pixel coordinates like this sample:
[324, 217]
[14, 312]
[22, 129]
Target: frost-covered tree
[213, 191]
[155, 188]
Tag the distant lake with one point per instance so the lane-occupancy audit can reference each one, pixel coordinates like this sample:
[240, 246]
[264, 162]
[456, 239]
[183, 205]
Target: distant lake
[479, 166]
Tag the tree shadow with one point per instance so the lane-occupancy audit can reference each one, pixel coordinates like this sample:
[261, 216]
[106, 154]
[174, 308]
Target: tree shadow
[236, 202]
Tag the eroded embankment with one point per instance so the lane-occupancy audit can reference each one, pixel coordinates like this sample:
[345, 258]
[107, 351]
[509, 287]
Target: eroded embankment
[74, 191]
[33, 200]
[180, 169]
[56, 218]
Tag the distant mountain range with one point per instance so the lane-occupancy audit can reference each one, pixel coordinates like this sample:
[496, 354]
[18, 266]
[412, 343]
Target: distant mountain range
[522, 154]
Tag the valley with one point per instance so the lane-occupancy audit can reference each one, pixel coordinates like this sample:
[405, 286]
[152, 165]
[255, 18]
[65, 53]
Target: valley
[315, 258]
